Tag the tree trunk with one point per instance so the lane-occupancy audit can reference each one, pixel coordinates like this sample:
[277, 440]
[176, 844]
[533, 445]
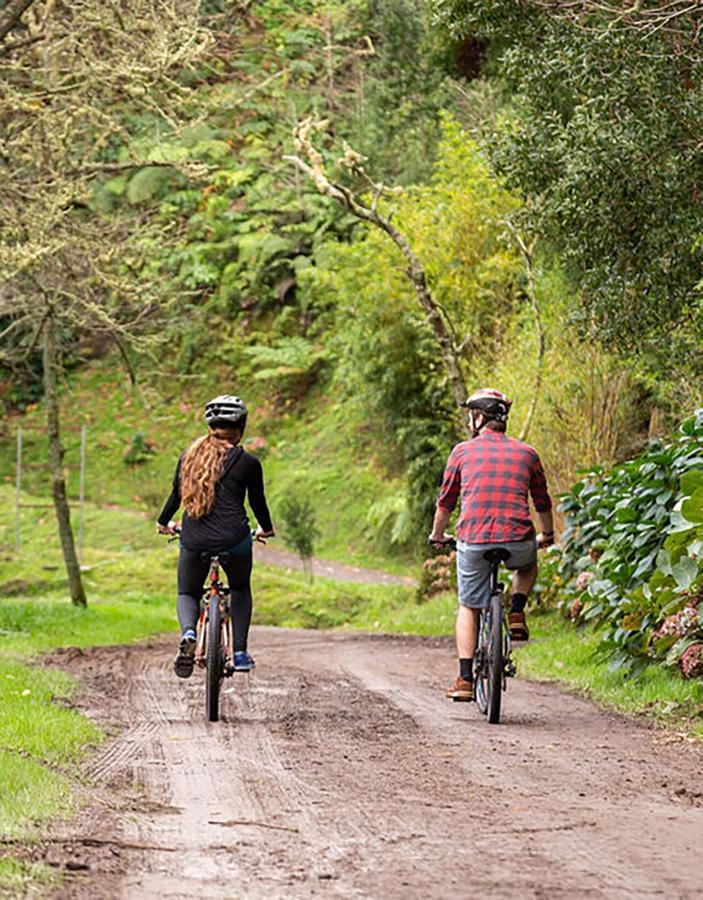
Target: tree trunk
[58, 481]
[539, 328]
[418, 276]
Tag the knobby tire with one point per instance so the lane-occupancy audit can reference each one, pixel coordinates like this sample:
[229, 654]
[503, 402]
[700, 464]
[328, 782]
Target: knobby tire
[495, 659]
[213, 662]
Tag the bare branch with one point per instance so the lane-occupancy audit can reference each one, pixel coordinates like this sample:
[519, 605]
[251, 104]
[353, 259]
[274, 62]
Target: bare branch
[12, 16]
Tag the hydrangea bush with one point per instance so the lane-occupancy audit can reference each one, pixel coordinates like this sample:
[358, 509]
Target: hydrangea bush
[632, 554]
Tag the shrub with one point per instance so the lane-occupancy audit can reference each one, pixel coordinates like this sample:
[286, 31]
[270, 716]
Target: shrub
[633, 551]
[298, 517]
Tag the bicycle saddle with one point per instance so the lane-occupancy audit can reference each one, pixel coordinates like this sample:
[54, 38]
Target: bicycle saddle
[209, 555]
[497, 554]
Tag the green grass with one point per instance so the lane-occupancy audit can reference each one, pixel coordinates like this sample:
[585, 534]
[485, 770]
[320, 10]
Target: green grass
[17, 876]
[562, 653]
[316, 446]
[289, 600]
[131, 597]
[31, 794]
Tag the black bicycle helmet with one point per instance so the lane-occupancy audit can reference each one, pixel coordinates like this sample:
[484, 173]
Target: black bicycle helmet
[226, 411]
[493, 404]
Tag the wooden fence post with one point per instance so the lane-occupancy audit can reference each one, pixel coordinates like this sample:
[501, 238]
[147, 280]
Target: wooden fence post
[81, 494]
[18, 490]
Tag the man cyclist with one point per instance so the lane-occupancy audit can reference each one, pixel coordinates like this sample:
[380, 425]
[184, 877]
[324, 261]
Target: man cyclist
[492, 474]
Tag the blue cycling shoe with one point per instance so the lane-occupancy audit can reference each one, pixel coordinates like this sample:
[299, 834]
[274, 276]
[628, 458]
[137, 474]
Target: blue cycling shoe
[243, 661]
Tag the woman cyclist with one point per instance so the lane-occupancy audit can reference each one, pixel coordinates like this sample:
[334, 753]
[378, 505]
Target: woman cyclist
[212, 478]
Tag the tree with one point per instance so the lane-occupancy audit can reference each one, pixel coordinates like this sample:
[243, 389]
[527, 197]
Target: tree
[85, 86]
[313, 166]
[298, 517]
[390, 369]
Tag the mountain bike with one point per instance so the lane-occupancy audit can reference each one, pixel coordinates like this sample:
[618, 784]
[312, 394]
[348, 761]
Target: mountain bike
[214, 639]
[493, 663]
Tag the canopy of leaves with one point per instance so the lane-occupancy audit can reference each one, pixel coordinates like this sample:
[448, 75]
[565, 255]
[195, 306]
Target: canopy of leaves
[387, 355]
[599, 133]
[81, 82]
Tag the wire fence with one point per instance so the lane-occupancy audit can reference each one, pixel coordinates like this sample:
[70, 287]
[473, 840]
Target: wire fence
[21, 469]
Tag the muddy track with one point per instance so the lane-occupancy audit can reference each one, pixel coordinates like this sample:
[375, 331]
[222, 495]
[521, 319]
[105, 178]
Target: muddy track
[340, 771]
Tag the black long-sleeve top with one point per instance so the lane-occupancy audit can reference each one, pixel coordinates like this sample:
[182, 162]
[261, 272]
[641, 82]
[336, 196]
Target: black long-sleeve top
[226, 525]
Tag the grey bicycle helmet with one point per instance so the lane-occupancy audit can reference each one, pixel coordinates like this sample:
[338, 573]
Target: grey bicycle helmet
[225, 411]
[492, 403]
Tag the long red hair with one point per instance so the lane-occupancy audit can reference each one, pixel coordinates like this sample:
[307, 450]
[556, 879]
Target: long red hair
[201, 469]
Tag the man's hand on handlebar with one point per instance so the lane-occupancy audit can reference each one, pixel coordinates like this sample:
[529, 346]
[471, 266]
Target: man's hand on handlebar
[441, 540]
[545, 539]
[171, 528]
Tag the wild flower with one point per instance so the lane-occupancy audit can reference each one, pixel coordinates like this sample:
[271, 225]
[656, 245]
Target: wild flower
[686, 621]
[692, 661]
[583, 580]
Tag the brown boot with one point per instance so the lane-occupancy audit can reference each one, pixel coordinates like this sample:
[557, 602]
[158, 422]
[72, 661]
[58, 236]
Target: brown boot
[461, 690]
[518, 627]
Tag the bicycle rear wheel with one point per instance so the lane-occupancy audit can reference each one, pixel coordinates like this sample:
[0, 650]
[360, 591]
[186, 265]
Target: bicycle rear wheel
[214, 660]
[495, 659]
[481, 663]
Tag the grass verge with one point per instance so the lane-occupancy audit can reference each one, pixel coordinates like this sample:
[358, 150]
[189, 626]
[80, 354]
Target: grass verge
[16, 877]
[561, 653]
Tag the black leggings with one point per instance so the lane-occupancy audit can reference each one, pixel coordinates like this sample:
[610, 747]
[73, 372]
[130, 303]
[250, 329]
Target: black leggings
[193, 568]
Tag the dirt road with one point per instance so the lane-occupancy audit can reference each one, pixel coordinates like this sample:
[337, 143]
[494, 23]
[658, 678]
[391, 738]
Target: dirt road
[340, 771]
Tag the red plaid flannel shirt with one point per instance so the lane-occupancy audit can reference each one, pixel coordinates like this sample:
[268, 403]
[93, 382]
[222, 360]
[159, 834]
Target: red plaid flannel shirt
[493, 474]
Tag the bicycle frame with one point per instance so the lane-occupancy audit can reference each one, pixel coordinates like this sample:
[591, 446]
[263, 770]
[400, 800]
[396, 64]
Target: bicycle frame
[216, 592]
[493, 664]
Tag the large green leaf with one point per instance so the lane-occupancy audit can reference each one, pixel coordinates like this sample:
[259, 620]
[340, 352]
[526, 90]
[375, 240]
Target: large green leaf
[684, 572]
[691, 482]
[692, 507]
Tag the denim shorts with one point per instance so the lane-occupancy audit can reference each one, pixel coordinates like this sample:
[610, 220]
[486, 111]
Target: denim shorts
[473, 572]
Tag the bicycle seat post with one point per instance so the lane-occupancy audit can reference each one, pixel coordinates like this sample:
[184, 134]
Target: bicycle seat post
[214, 571]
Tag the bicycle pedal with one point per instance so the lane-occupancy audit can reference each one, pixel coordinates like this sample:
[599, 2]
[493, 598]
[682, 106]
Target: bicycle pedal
[510, 670]
[228, 670]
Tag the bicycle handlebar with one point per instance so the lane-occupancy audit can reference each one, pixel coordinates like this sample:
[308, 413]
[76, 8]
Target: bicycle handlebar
[177, 530]
[450, 543]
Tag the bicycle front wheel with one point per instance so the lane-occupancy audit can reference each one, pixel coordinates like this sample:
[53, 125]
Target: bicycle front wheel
[214, 662]
[495, 659]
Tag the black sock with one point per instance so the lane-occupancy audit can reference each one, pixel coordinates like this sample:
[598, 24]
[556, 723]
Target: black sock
[466, 669]
[517, 602]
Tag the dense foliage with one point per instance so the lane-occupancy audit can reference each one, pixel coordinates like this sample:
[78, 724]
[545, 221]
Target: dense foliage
[633, 552]
[598, 132]
[387, 357]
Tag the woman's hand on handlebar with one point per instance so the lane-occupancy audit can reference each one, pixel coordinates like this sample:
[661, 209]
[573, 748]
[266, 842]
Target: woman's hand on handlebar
[171, 528]
[260, 535]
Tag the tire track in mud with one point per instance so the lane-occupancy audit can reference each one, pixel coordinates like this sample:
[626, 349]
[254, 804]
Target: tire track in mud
[338, 770]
